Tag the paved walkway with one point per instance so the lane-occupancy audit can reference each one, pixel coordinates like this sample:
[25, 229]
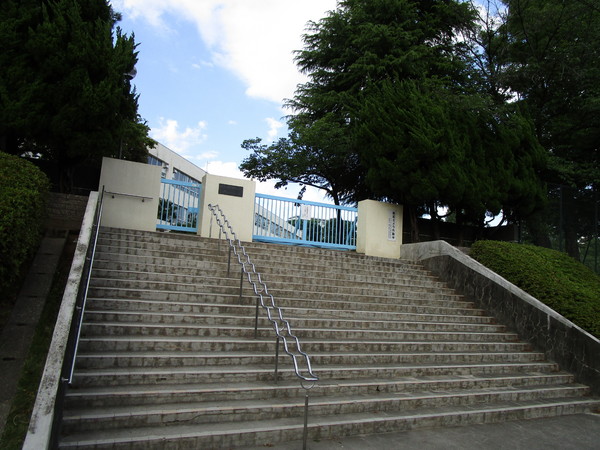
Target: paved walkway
[576, 432]
[18, 332]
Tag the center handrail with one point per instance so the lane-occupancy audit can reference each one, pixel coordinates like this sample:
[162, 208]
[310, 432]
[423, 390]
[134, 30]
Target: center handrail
[266, 300]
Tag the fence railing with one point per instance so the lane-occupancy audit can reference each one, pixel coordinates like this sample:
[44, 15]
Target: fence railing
[178, 205]
[302, 222]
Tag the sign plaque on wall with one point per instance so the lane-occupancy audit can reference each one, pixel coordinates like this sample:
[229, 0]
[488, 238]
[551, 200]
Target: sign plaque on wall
[305, 212]
[391, 225]
[228, 189]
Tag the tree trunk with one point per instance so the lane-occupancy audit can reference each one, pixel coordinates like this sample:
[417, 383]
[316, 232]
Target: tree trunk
[435, 222]
[538, 229]
[414, 223]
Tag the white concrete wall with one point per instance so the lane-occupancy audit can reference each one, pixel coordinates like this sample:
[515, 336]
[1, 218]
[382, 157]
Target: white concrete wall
[238, 210]
[141, 182]
[40, 423]
[379, 230]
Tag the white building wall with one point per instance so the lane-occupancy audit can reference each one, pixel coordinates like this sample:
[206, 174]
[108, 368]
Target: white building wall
[173, 160]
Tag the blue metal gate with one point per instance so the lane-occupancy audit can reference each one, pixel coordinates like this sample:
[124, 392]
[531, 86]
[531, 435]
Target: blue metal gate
[178, 205]
[301, 222]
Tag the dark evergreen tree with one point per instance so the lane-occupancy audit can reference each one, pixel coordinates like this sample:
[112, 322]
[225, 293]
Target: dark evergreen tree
[423, 125]
[65, 86]
[554, 67]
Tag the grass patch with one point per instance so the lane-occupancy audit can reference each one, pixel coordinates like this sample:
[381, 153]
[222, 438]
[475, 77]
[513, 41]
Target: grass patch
[554, 278]
[33, 367]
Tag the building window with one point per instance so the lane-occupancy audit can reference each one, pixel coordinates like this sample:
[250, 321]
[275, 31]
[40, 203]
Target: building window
[180, 176]
[154, 161]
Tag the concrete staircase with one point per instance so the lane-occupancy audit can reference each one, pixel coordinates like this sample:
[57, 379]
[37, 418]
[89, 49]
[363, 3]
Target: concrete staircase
[168, 359]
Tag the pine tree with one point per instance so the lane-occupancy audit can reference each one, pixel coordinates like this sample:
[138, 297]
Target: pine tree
[65, 87]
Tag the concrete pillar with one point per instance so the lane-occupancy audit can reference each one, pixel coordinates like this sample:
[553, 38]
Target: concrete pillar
[379, 230]
[236, 199]
[131, 192]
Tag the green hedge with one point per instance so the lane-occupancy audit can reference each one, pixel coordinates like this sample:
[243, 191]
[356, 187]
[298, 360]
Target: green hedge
[561, 282]
[23, 192]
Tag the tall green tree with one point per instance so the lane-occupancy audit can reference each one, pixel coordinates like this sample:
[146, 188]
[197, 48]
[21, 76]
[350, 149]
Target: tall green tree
[423, 125]
[65, 84]
[554, 67]
[424, 145]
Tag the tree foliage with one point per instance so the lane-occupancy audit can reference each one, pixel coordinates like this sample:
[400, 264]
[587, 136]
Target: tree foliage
[424, 145]
[553, 65]
[293, 160]
[555, 68]
[23, 189]
[65, 87]
[396, 107]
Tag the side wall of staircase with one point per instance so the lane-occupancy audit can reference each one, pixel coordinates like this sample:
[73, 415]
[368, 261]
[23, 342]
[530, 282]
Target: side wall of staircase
[168, 357]
[562, 341]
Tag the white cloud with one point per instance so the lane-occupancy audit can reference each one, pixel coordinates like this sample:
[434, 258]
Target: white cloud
[291, 191]
[274, 126]
[180, 141]
[211, 154]
[224, 169]
[254, 39]
[202, 64]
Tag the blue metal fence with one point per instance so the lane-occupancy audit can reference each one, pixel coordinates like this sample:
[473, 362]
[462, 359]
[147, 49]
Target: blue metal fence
[178, 206]
[301, 222]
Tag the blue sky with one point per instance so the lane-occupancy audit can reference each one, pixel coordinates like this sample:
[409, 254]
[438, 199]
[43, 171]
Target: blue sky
[212, 73]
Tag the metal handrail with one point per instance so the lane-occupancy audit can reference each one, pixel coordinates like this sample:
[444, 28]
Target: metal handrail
[85, 284]
[143, 197]
[282, 327]
[72, 344]
[281, 332]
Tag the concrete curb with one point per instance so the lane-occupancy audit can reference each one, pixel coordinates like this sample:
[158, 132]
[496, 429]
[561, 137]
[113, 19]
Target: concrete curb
[573, 348]
[40, 424]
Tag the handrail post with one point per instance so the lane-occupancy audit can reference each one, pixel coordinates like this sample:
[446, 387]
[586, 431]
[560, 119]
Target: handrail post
[305, 432]
[229, 261]
[256, 320]
[241, 283]
[276, 359]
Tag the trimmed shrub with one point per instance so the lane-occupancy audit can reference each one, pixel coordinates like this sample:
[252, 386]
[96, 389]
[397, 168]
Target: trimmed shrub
[23, 192]
[554, 278]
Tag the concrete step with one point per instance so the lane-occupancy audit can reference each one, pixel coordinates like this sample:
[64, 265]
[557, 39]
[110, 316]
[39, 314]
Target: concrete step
[192, 244]
[255, 433]
[300, 322]
[256, 373]
[148, 329]
[309, 261]
[284, 286]
[276, 275]
[197, 266]
[267, 344]
[406, 306]
[294, 309]
[271, 409]
[186, 393]
[216, 358]
[280, 285]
